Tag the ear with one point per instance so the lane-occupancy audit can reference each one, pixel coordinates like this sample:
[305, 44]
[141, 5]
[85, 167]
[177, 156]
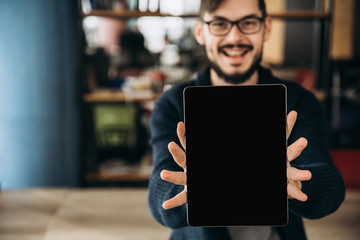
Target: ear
[268, 27]
[198, 32]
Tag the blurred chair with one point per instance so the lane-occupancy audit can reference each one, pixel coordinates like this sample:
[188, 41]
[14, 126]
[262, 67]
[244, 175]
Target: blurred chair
[118, 133]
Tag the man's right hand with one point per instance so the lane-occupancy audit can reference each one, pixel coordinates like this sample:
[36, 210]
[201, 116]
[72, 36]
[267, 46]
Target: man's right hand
[178, 178]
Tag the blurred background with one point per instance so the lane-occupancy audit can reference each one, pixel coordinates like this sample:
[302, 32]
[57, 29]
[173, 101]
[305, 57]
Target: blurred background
[78, 80]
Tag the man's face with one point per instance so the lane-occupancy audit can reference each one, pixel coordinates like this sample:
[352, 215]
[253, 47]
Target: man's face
[234, 54]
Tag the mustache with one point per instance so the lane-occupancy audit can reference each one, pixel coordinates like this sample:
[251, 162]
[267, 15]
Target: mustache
[250, 47]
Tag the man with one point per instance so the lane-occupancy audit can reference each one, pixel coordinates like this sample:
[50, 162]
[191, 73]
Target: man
[233, 33]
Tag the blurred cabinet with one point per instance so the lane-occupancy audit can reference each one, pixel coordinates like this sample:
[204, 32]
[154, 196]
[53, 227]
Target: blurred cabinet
[345, 105]
[115, 148]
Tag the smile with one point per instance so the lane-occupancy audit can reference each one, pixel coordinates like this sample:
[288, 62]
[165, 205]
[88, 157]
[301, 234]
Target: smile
[236, 53]
[235, 50]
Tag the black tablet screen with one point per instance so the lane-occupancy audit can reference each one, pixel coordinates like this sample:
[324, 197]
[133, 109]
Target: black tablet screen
[236, 155]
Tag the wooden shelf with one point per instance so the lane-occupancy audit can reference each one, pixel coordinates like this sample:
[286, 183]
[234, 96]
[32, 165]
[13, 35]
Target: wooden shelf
[118, 96]
[125, 14]
[300, 15]
[125, 177]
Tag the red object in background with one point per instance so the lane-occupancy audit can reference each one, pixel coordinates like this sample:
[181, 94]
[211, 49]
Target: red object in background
[158, 76]
[306, 78]
[348, 163]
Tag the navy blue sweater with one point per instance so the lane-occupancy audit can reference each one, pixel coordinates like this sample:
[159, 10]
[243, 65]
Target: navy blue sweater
[325, 190]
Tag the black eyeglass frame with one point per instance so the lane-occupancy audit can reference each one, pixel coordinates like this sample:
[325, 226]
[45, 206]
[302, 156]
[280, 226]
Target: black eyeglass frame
[261, 20]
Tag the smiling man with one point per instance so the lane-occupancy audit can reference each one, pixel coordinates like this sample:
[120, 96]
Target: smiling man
[233, 39]
[233, 33]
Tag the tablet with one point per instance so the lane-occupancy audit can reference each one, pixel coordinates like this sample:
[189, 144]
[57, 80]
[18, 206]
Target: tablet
[236, 155]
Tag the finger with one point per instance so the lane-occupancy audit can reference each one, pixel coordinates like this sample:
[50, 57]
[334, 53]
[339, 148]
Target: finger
[290, 122]
[294, 192]
[178, 154]
[176, 201]
[178, 178]
[181, 133]
[298, 175]
[295, 149]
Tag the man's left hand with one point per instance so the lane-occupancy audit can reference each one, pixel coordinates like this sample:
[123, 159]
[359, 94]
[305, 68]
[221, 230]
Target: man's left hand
[294, 175]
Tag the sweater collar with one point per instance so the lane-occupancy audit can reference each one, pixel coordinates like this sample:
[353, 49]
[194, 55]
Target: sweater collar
[203, 77]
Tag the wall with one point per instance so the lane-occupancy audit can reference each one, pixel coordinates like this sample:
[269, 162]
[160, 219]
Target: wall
[274, 47]
[39, 49]
[342, 36]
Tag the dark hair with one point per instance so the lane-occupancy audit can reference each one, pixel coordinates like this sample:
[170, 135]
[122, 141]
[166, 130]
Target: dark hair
[212, 5]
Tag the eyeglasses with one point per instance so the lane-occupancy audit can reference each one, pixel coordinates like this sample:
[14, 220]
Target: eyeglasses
[221, 27]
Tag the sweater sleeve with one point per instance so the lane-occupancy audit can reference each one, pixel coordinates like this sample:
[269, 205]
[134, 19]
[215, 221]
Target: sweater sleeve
[325, 190]
[165, 116]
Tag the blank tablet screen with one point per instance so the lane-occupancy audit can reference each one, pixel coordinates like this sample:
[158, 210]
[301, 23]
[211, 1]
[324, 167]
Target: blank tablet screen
[236, 155]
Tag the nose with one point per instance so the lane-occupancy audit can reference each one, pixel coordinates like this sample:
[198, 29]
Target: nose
[234, 34]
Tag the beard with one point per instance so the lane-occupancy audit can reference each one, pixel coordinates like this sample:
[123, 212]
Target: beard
[236, 78]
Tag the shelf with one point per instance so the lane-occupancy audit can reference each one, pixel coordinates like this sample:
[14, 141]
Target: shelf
[126, 177]
[125, 14]
[118, 96]
[300, 15]
[122, 171]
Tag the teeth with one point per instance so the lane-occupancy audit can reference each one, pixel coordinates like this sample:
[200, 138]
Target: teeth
[235, 53]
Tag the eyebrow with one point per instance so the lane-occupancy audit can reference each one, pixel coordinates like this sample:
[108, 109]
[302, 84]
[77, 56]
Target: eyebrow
[246, 17]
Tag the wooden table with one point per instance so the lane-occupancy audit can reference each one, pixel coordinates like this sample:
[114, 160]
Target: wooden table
[122, 214]
[91, 214]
